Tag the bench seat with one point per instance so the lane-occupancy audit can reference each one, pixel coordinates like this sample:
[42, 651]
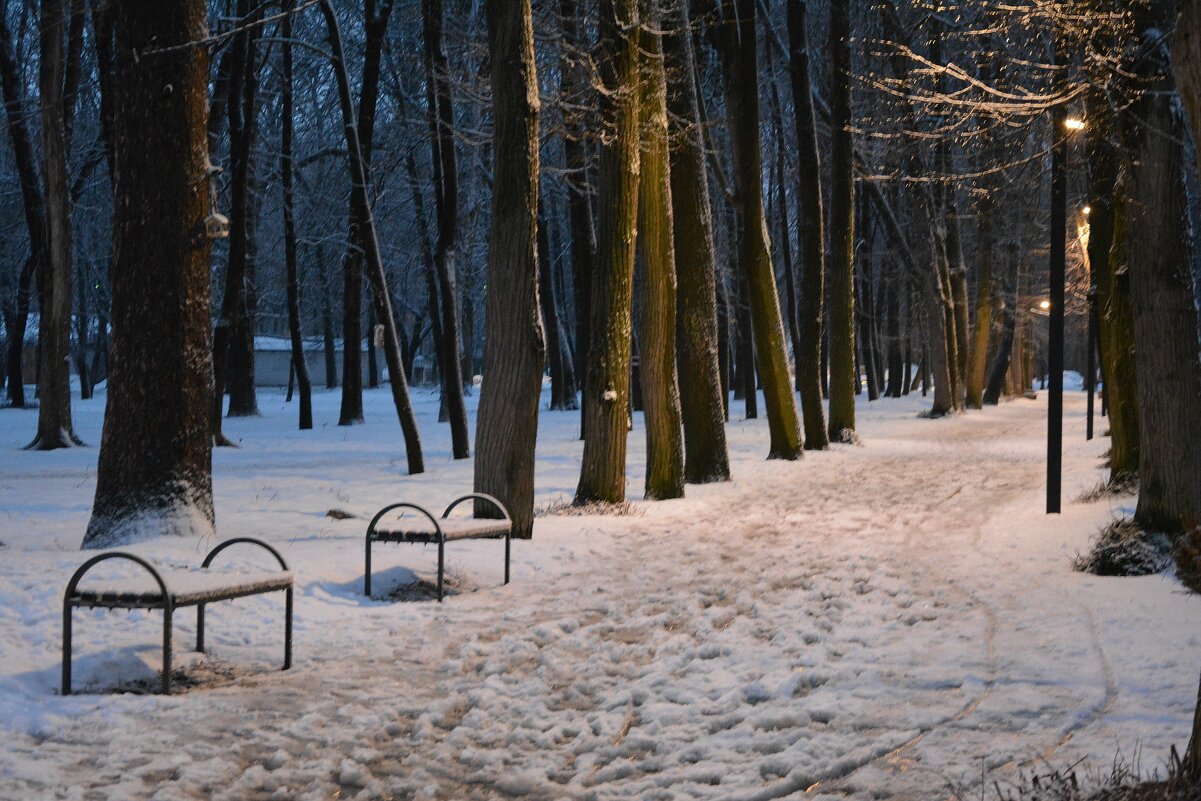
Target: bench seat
[453, 528]
[186, 588]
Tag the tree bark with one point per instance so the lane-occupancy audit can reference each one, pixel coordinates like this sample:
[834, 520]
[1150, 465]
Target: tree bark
[446, 204]
[607, 383]
[738, 52]
[978, 361]
[514, 348]
[811, 231]
[32, 205]
[1165, 316]
[1115, 317]
[375, 23]
[371, 254]
[698, 345]
[154, 475]
[233, 299]
[657, 329]
[285, 170]
[54, 283]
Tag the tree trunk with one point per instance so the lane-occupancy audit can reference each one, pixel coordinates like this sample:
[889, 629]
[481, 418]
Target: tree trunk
[375, 24]
[446, 203]
[574, 84]
[54, 283]
[514, 348]
[738, 51]
[11, 82]
[243, 81]
[371, 254]
[1115, 317]
[556, 348]
[607, 385]
[154, 475]
[841, 314]
[1165, 315]
[657, 323]
[329, 345]
[285, 169]
[698, 345]
[978, 361]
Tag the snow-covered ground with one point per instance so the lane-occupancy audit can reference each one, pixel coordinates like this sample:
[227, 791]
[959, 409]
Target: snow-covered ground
[891, 620]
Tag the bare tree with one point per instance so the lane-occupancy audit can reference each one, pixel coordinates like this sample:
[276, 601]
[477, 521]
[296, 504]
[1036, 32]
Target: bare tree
[514, 350]
[705, 456]
[607, 382]
[154, 475]
[657, 326]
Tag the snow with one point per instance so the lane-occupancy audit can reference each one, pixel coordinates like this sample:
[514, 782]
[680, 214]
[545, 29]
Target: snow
[886, 620]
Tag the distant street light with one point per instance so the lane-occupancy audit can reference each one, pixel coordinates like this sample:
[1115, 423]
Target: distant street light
[1087, 210]
[1044, 305]
[1073, 124]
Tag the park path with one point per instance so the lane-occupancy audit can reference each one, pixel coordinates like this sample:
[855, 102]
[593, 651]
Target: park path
[856, 624]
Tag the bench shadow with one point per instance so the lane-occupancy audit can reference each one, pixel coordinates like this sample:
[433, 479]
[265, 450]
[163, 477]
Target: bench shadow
[126, 671]
[390, 585]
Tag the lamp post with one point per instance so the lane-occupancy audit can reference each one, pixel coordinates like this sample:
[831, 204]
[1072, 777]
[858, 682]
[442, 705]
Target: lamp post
[1061, 127]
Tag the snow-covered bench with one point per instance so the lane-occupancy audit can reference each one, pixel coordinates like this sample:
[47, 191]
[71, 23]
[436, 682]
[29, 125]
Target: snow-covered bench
[171, 590]
[445, 529]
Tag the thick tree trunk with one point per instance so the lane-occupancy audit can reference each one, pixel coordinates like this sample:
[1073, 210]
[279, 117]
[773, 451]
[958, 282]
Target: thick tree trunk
[154, 475]
[54, 282]
[1165, 314]
[657, 323]
[285, 169]
[514, 349]
[738, 51]
[841, 314]
[371, 254]
[1115, 318]
[446, 203]
[607, 383]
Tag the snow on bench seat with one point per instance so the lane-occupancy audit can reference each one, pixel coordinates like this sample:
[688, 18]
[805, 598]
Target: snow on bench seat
[186, 588]
[453, 528]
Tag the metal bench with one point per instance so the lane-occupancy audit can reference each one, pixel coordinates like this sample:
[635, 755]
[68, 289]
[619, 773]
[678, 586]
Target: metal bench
[187, 588]
[444, 530]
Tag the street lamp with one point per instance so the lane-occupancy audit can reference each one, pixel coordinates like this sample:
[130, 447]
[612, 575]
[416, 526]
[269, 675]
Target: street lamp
[1058, 269]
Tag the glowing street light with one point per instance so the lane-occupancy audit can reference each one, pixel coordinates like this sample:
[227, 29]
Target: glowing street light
[1074, 124]
[1044, 304]
[1087, 210]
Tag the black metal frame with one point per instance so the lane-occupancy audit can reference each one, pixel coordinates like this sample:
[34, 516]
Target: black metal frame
[439, 536]
[167, 603]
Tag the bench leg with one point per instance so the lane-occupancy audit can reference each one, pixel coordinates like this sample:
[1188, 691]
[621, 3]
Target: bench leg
[367, 570]
[441, 562]
[167, 614]
[288, 630]
[200, 628]
[507, 538]
[67, 648]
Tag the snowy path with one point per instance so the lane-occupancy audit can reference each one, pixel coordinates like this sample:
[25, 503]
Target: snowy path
[870, 622]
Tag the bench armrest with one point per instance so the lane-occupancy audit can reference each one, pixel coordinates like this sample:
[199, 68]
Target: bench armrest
[86, 566]
[500, 507]
[208, 560]
[380, 515]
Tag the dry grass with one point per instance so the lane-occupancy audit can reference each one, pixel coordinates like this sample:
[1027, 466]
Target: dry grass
[563, 507]
[1124, 548]
[1118, 485]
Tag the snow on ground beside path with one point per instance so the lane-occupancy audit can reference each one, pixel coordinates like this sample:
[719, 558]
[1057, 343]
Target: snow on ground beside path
[880, 621]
